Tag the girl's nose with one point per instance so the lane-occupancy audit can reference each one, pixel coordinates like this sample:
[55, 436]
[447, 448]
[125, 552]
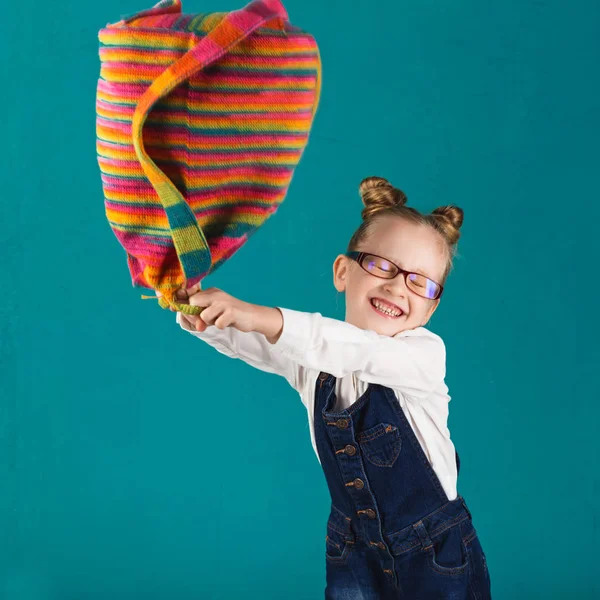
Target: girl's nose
[396, 287]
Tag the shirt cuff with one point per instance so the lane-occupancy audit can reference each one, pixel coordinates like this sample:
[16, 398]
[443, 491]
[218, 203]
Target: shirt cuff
[296, 333]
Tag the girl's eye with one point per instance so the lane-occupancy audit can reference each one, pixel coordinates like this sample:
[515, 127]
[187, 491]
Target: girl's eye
[384, 267]
[418, 281]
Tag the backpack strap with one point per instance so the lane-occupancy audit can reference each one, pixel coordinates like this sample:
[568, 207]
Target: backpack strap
[190, 244]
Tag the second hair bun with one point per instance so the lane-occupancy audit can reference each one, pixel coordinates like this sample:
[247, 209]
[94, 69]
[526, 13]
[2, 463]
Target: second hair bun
[378, 193]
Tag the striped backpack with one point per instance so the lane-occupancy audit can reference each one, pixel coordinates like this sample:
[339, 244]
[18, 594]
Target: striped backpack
[200, 122]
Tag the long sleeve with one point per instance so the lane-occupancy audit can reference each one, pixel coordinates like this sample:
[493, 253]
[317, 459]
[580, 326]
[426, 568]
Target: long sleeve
[253, 348]
[412, 361]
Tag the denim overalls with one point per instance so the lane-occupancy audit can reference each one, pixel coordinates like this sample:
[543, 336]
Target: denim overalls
[392, 532]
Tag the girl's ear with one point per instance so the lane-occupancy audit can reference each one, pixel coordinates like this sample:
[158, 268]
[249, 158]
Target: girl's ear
[340, 271]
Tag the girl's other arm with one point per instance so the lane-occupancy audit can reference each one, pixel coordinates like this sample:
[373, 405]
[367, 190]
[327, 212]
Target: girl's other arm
[413, 361]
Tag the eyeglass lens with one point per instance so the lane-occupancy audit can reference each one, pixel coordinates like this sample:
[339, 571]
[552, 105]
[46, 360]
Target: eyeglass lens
[419, 284]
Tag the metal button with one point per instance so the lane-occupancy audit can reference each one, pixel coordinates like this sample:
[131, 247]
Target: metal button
[350, 450]
[371, 513]
[359, 484]
[342, 423]
[378, 544]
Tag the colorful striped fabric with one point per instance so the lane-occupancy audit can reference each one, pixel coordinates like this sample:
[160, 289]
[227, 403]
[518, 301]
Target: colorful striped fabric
[200, 122]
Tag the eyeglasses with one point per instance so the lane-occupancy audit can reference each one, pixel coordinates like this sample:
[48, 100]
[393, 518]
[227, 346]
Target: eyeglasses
[385, 269]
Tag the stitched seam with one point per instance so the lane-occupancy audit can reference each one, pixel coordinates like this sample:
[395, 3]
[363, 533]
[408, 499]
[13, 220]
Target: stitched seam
[380, 430]
[441, 529]
[448, 525]
[424, 519]
[449, 571]
[377, 462]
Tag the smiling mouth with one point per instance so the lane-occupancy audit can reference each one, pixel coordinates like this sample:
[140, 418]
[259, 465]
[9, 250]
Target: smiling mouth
[386, 311]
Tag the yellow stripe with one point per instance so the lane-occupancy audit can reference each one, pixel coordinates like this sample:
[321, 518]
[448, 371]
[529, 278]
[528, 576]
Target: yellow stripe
[234, 159]
[187, 239]
[121, 75]
[249, 123]
[137, 220]
[115, 136]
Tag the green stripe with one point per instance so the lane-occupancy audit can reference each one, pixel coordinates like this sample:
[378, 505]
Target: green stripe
[239, 90]
[218, 111]
[200, 152]
[276, 52]
[230, 184]
[213, 230]
[226, 149]
[195, 262]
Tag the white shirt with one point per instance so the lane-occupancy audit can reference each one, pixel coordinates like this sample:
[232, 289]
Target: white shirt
[412, 363]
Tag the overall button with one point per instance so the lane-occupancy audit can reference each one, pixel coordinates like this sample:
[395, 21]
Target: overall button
[379, 545]
[342, 423]
[359, 484]
[371, 513]
[350, 450]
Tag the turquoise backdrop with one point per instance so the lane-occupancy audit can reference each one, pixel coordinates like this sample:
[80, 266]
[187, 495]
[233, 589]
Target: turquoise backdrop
[138, 462]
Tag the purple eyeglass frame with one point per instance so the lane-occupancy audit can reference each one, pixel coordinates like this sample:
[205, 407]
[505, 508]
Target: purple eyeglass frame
[358, 256]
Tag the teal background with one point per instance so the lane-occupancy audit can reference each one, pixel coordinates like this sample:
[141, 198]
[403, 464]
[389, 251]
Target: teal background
[138, 462]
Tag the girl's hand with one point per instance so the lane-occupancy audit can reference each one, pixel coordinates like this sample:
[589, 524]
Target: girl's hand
[183, 298]
[220, 309]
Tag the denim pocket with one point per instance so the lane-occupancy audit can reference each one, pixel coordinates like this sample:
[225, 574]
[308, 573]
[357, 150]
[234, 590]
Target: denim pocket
[339, 539]
[448, 555]
[381, 444]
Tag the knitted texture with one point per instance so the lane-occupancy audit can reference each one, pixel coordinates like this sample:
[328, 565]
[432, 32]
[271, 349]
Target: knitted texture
[200, 122]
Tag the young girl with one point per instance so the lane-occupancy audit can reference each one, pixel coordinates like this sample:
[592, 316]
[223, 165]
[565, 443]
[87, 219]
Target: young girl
[377, 403]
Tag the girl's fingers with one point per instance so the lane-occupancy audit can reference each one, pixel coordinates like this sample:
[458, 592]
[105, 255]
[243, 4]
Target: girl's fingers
[194, 289]
[191, 319]
[210, 314]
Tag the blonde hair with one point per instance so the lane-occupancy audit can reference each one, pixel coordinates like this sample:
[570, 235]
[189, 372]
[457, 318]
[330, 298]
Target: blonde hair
[382, 199]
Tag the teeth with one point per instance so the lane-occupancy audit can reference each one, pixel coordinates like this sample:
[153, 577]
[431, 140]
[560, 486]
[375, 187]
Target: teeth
[385, 310]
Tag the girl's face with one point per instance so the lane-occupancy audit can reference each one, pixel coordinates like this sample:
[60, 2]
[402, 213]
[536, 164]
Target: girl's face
[414, 247]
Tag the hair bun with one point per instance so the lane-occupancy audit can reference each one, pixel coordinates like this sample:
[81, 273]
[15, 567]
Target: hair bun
[452, 216]
[378, 194]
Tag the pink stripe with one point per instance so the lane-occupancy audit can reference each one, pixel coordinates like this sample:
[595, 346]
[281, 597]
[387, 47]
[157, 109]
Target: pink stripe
[127, 91]
[148, 247]
[112, 37]
[230, 60]
[258, 79]
[166, 52]
[228, 245]
[246, 210]
[240, 192]
[198, 139]
[256, 155]
[206, 50]
[158, 211]
[155, 211]
[130, 91]
[237, 171]
[184, 114]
